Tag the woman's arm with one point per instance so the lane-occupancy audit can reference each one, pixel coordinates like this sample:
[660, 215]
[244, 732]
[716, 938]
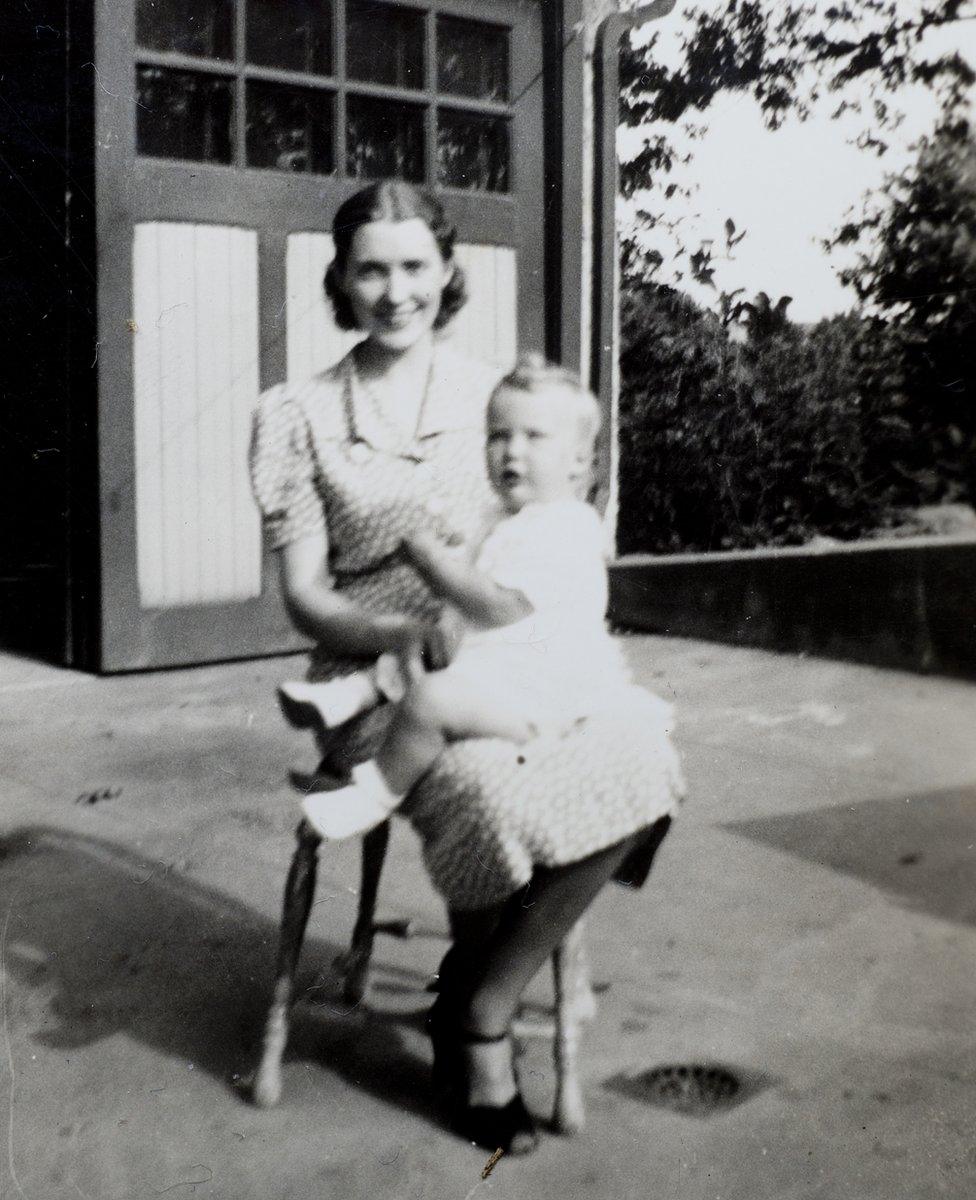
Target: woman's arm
[479, 599]
[338, 624]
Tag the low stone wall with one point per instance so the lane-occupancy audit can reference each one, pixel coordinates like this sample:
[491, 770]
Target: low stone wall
[908, 603]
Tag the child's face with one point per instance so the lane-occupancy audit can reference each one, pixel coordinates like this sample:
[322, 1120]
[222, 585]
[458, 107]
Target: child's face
[535, 451]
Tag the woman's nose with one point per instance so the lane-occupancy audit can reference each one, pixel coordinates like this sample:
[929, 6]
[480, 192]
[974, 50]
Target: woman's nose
[396, 287]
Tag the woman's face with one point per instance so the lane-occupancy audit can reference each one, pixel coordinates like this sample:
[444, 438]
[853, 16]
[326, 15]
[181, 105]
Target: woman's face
[394, 277]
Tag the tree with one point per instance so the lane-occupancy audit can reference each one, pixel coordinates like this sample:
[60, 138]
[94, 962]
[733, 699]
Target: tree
[788, 55]
[920, 276]
[797, 432]
[763, 319]
[725, 446]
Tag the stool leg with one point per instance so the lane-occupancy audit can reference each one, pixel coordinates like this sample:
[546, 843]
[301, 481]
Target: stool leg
[299, 890]
[355, 962]
[568, 1113]
[585, 1000]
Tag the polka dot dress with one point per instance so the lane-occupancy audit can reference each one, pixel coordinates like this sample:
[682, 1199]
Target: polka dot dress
[323, 463]
[490, 811]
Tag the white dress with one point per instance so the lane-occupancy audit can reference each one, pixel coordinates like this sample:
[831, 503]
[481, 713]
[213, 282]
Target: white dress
[559, 663]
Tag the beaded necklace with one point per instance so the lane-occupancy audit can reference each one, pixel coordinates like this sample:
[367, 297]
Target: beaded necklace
[405, 441]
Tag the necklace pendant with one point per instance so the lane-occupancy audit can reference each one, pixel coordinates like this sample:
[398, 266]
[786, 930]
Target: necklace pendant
[359, 452]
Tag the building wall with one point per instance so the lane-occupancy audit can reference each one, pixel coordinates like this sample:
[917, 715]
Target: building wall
[46, 316]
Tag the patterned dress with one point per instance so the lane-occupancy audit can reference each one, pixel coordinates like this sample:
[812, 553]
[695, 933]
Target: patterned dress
[324, 462]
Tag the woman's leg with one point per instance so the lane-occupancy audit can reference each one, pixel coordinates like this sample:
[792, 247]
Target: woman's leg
[532, 924]
[495, 956]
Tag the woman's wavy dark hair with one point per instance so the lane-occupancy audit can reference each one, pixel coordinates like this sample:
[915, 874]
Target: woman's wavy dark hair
[392, 200]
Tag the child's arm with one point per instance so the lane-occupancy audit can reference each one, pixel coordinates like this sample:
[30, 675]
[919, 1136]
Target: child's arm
[478, 599]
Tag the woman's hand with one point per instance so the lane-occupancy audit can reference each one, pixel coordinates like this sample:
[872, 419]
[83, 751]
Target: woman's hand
[407, 637]
[334, 621]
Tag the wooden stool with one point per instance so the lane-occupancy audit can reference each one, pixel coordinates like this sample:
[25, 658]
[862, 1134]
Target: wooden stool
[573, 996]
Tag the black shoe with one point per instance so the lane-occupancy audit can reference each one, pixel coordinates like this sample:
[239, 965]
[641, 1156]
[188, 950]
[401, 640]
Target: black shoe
[508, 1127]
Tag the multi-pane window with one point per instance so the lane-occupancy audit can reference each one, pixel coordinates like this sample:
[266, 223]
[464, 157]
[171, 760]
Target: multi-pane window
[361, 89]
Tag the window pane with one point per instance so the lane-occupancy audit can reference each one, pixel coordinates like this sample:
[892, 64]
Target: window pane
[293, 34]
[384, 44]
[384, 138]
[472, 151]
[289, 128]
[204, 27]
[184, 114]
[472, 59]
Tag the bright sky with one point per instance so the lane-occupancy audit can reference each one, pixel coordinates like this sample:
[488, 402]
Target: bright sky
[787, 189]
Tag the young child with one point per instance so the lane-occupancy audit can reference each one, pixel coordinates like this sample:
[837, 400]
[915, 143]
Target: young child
[536, 655]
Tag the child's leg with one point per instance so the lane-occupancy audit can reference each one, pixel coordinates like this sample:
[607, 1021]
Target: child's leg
[442, 707]
[437, 708]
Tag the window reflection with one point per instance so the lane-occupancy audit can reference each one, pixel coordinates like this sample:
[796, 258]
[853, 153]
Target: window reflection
[184, 114]
[203, 27]
[472, 59]
[190, 114]
[384, 44]
[289, 128]
[293, 34]
[472, 151]
[384, 138]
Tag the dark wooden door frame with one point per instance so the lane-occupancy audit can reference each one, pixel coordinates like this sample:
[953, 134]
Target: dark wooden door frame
[131, 189]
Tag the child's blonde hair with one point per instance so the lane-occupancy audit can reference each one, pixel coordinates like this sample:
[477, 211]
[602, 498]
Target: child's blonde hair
[534, 373]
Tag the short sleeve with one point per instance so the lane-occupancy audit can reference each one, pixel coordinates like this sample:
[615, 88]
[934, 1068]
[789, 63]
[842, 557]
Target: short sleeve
[283, 474]
[555, 556]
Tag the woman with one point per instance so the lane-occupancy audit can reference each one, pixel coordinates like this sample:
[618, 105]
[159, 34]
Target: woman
[389, 441]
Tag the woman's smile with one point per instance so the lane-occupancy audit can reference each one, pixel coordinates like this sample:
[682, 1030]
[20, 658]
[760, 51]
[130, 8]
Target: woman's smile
[399, 318]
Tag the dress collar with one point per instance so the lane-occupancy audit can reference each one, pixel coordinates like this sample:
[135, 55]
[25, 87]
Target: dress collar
[452, 401]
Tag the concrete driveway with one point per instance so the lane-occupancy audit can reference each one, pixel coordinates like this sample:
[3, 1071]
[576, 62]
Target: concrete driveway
[807, 940]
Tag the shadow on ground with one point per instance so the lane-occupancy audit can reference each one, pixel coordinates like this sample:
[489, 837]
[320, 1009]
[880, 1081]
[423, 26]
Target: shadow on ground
[919, 849]
[106, 941]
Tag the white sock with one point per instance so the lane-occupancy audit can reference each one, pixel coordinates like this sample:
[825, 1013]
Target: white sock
[353, 810]
[342, 699]
[371, 779]
[337, 701]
